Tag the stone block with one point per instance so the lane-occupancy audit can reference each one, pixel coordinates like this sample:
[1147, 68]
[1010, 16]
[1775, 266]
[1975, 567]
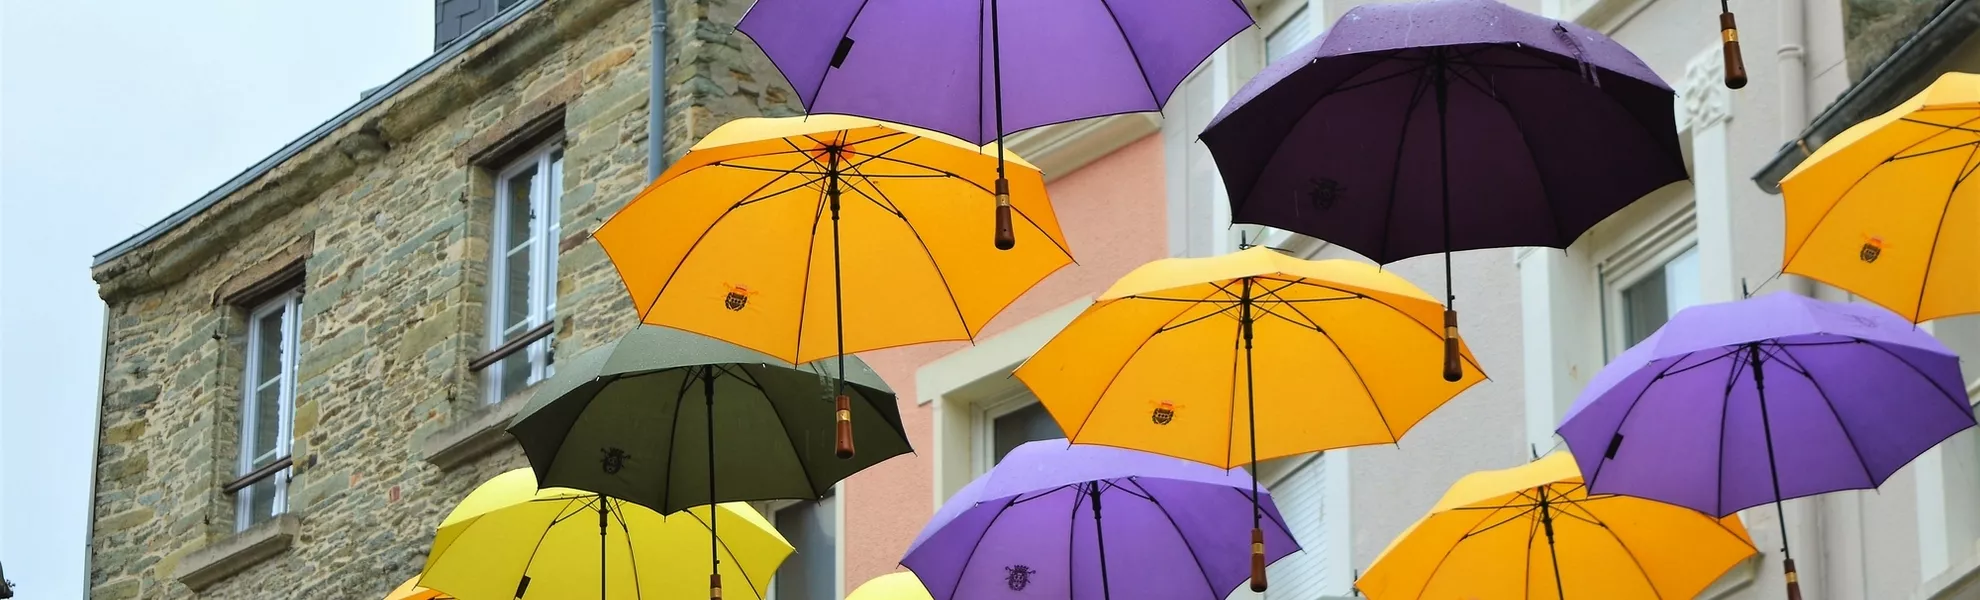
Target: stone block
[215, 563]
[474, 434]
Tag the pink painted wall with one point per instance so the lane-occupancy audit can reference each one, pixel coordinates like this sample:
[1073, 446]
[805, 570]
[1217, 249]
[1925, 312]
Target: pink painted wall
[1114, 214]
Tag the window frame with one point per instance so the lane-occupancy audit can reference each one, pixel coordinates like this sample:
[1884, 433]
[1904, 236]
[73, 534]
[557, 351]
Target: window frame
[983, 423]
[538, 338]
[289, 303]
[1630, 262]
[769, 510]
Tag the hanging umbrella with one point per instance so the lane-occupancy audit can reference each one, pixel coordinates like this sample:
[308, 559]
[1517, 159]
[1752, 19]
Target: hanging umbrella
[652, 418]
[892, 586]
[1534, 531]
[957, 66]
[1163, 362]
[1143, 525]
[1881, 210]
[510, 541]
[1739, 404]
[1441, 126]
[411, 590]
[811, 237]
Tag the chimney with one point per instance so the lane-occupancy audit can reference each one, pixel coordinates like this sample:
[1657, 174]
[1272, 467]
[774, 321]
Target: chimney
[455, 18]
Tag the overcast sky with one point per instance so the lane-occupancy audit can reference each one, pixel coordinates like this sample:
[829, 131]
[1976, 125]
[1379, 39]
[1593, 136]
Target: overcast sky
[114, 113]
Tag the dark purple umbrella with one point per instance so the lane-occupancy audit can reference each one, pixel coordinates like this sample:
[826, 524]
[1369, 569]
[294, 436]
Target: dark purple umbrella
[1081, 522]
[1412, 129]
[980, 69]
[1734, 405]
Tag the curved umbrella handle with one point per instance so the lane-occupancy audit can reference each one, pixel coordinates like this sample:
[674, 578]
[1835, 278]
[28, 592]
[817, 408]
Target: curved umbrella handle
[844, 447]
[1735, 64]
[714, 585]
[1793, 581]
[1006, 237]
[1453, 365]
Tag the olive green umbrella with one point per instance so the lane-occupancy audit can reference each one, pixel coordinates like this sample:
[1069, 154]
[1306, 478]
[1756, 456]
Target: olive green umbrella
[630, 420]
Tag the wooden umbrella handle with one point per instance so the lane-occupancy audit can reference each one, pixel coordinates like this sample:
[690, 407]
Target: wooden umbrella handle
[1793, 581]
[714, 586]
[1006, 236]
[1257, 560]
[1735, 64]
[844, 448]
[1453, 362]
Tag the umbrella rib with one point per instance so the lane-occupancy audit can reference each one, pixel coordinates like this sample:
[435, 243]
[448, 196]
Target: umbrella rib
[1230, 427]
[733, 559]
[1200, 570]
[1102, 397]
[1647, 581]
[1932, 256]
[673, 433]
[1526, 575]
[545, 535]
[1590, 480]
[970, 558]
[1072, 539]
[1153, 98]
[1447, 553]
[1959, 146]
[1959, 401]
[1852, 187]
[804, 287]
[1394, 436]
[1725, 410]
[704, 235]
[1553, 214]
[631, 556]
[809, 483]
[1239, 203]
[815, 90]
[948, 290]
[1402, 144]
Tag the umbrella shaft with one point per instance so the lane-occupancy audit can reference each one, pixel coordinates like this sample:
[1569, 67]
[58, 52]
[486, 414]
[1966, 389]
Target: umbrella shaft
[1100, 541]
[1767, 430]
[1553, 556]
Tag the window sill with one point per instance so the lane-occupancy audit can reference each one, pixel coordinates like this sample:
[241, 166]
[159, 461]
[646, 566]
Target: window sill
[217, 562]
[479, 432]
[1736, 579]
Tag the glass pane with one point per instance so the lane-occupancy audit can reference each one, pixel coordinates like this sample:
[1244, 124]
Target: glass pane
[268, 354]
[261, 501]
[809, 574]
[1650, 302]
[1290, 35]
[518, 206]
[515, 301]
[1027, 424]
[267, 424]
[515, 375]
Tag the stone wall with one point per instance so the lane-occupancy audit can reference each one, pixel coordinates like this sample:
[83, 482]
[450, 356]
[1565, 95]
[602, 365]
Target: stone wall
[392, 214]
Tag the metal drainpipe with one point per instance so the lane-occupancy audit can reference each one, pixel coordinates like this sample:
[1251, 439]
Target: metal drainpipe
[656, 93]
[1792, 60]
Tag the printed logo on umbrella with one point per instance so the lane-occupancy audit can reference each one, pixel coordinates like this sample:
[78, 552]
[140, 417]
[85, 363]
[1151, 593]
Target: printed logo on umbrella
[614, 460]
[737, 297]
[1018, 577]
[1873, 247]
[1164, 412]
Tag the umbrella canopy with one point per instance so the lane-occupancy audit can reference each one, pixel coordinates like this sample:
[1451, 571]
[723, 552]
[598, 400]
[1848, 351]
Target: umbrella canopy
[1880, 210]
[410, 590]
[1448, 125]
[1158, 363]
[1059, 521]
[508, 540]
[1534, 531]
[979, 69]
[631, 420]
[812, 237]
[1738, 404]
[892, 586]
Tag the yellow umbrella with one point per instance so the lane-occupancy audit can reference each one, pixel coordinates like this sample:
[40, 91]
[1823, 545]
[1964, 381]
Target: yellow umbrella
[509, 540]
[411, 590]
[1881, 210]
[1496, 535]
[894, 586]
[811, 237]
[1164, 361]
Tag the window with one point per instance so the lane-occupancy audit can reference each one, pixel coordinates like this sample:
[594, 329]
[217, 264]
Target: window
[267, 401]
[522, 279]
[812, 573]
[1005, 425]
[1651, 300]
[1293, 30]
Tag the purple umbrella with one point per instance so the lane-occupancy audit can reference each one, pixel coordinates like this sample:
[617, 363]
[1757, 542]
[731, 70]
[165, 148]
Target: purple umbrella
[978, 70]
[1735, 405]
[1082, 522]
[1412, 129]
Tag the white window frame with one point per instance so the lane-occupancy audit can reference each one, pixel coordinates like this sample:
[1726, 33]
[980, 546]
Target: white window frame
[1630, 266]
[770, 509]
[289, 303]
[546, 197]
[983, 432]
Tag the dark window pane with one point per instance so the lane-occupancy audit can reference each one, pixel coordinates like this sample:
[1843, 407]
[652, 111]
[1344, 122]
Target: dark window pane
[1027, 424]
[809, 574]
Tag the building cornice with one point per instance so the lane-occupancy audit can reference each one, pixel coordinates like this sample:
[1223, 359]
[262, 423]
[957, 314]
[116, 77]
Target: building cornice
[479, 62]
[1064, 148]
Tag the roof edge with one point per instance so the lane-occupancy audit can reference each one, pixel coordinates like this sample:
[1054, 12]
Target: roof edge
[318, 134]
[1879, 90]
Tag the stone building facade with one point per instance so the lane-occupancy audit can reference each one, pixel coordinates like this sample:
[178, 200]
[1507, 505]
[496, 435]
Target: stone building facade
[380, 223]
